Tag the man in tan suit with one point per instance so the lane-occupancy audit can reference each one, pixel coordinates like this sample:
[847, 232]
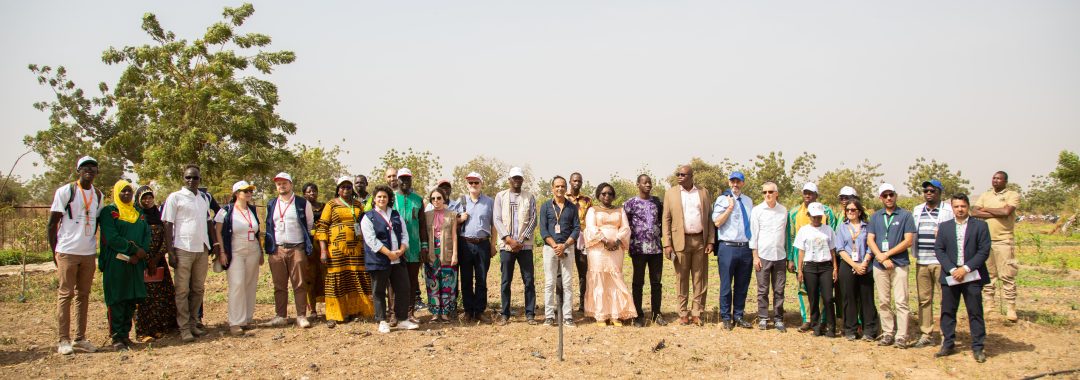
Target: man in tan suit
[688, 240]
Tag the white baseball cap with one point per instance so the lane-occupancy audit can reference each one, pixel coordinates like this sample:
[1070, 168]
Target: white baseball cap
[816, 209]
[516, 172]
[85, 160]
[474, 175]
[404, 172]
[343, 179]
[810, 186]
[284, 176]
[848, 190]
[242, 185]
[885, 187]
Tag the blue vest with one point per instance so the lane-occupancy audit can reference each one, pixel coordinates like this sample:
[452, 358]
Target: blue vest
[270, 242]
[226, 229]
[373, 260]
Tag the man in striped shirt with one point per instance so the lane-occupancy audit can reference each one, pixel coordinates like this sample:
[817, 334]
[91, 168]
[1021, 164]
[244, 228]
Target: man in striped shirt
[927, 271]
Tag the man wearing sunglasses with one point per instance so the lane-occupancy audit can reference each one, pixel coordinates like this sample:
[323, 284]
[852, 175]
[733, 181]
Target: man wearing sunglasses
[688, 240]
[928, 216]
[186, 214]
[892, 232]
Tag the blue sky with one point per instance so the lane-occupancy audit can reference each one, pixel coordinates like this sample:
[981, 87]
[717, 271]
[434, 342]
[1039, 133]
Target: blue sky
[605, 87]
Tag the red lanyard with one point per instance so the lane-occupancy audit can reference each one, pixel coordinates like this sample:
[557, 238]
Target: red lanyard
[247, 217]
[281, 211]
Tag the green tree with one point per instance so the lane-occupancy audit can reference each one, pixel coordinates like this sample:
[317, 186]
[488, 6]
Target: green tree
[491, 169]
[864, 178]
[923, 170]
[190, 98]
[707, 175]
[14, 191]
[425, 167]
[766, 168]
[1068, 168]
[318, 165]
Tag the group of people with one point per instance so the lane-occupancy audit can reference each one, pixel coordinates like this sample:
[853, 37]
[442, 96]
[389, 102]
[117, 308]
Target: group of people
[361, 254]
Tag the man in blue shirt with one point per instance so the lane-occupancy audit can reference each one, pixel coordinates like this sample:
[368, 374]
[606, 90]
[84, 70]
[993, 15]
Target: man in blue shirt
[734, 258]
[892, 232]
[559, 228]
[474, 252]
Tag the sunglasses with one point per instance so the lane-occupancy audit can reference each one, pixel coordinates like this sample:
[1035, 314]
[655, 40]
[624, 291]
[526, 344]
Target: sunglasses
[852, 210]
[249, 191]
[888, 195]
[435, 199]
[474, 182]
[682, 174]
[929, 191]
[191, 177]
[768, 191]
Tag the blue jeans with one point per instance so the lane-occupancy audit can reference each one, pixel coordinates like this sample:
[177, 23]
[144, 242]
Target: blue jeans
[524, 259]
[474, 260]
[735, 265]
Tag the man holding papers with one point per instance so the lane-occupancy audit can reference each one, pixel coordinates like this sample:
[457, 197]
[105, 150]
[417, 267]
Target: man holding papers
[962, 248]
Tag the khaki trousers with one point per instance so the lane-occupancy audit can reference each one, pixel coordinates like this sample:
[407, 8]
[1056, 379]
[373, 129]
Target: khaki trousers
[76, 274]
[692, 262]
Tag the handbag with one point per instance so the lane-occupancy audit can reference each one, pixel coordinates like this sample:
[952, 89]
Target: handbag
[154, 275]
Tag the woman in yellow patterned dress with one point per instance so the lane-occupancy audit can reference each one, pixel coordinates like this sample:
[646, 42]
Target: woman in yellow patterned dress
[348, 286]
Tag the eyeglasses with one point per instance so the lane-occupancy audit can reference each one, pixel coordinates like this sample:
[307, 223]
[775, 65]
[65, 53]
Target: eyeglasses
[888, 195]
[768, 191]
[929, 190]
[191, 177]
[474, 182]
[682, 174]
[435, 199]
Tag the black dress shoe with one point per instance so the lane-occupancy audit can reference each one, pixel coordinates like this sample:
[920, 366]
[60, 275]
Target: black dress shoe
[659, 320]
[979, 355]
[639, 321]
[744, 324]
[728, 325]
[945, 351]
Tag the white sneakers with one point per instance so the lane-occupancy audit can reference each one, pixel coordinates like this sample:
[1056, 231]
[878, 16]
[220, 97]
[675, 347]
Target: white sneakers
[408, 325]
[65, 347]
[384, 328]
[303, 322]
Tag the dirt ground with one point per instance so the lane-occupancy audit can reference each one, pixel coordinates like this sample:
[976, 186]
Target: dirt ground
[1045, 340]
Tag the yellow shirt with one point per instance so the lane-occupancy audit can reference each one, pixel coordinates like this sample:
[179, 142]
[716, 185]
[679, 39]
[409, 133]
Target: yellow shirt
[1001, 228]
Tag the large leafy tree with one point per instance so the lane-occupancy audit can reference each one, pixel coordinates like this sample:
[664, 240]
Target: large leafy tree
[923, 170]
[425, 167]
[177, 101]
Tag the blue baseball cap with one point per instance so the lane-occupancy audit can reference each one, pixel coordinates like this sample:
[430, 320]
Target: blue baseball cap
[737, 175]
[934, 183]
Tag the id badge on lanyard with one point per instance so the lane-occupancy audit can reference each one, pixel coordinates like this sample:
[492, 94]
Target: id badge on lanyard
[251, 235]
[88, 228]
[888, 224]
[356, 229]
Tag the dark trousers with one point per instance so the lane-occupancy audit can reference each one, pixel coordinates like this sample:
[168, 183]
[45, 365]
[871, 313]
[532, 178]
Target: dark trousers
[412, 290]
[950, 302]
[735, 265]
[858, 293]
[397, 277]
[772, 273]
[582, 263]
[524, 259]
[819, 283]
[474, 260]
[120, 316]
[655, 264]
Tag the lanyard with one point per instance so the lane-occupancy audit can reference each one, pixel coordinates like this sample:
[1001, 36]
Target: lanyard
[247, 218]
[888, 223]
[352, 212]
[86, 201]
[558, 213]
[281, 211]
[389, 226]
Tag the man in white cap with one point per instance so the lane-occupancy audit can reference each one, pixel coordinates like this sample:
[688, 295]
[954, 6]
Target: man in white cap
[798, 217]
[928, 216]
[847, 193]
[288, 221]
[891, 232]
[474, 253]
[411, 207]
[72, 225]
[515, 219]
[186, 214]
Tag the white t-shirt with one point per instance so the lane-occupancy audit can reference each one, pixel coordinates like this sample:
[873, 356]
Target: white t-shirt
[240, 225]
[816, 241]
[76, 234]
